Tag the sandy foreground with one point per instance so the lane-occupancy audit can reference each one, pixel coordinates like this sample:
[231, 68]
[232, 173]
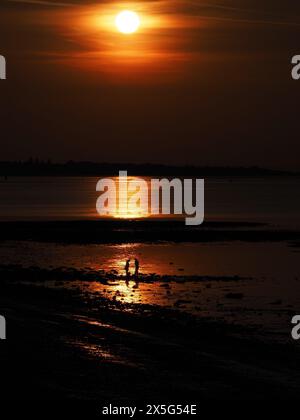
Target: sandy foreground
[78, 334]
[61, 344]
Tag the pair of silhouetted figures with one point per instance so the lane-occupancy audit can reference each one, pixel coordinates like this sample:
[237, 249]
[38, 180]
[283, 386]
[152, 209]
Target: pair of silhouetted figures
[136, 269]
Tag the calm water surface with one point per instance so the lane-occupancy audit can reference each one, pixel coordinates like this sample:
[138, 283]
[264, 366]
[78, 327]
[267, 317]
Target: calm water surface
[271, 200]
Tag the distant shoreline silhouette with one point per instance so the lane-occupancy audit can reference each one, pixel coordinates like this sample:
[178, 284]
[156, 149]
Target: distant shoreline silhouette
[36, 167]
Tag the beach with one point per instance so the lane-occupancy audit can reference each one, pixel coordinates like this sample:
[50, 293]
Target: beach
[181, 331]
[65, 345]
[207, 317]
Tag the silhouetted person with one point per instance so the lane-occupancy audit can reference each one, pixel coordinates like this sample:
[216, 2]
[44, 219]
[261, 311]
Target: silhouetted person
[127, 266]
[137, 266]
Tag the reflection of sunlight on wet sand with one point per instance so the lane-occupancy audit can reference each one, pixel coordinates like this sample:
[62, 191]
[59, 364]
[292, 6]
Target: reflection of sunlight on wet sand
[127, 292]
[98, 351]
[94, 350]
[178, 295]
[125, 252]
[120, 291]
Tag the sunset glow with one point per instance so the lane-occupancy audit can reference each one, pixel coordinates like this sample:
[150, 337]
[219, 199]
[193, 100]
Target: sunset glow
[127, 22]
[129, 207]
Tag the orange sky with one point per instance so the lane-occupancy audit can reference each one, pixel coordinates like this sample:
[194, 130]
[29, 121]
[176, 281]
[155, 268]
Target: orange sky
[200, 82]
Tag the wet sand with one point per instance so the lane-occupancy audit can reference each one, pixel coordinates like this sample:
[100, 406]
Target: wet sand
[83, 334]
[63, 344]
[267, 304]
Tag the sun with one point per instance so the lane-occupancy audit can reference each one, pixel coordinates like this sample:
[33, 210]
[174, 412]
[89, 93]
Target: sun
[127, 22]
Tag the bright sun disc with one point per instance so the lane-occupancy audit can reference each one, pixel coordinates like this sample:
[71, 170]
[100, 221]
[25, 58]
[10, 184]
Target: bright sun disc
[127, 22]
